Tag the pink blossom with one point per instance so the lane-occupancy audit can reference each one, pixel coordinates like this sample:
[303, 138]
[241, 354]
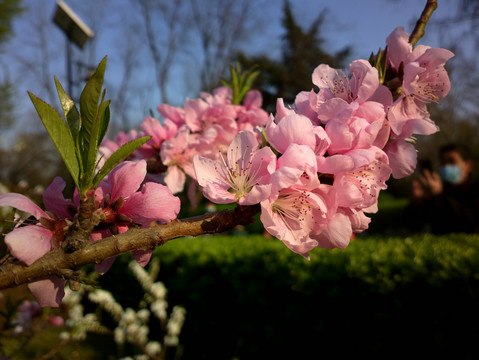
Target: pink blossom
[338, 89]
[158, 132]
[30, 242]
[124, 201]
[292, 128]
[211, 109]
[251, 114]
[294, 215]
[423, 79]
[177, 154]
[296, 167]
[174, 114]
[357, 126]
[359, 188]
[244, 176]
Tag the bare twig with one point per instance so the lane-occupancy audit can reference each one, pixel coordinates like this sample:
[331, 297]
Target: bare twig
[57, 261]
[418, 31]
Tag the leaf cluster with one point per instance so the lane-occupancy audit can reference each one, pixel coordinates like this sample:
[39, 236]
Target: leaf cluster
[78, 137]
[241, 81]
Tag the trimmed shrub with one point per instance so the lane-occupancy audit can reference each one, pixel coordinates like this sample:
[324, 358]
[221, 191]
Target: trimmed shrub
[252, 298]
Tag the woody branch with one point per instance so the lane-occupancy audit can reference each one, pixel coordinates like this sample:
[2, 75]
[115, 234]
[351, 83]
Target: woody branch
[58, 262]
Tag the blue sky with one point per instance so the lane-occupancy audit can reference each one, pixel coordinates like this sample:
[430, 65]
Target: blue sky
[363, 24]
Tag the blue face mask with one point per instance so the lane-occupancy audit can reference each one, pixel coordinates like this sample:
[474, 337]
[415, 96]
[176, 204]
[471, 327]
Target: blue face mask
[451, 174]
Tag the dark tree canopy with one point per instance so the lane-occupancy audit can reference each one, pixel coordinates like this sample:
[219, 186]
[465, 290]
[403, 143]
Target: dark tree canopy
[302, 51]
[8, 10]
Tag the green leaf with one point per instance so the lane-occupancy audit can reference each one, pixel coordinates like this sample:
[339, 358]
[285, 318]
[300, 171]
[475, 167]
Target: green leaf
[72, 117]
[118, 156]
[70, 111]
[104, 120]
[60, 135]
[89, 99]
[94, 144]
[241, 82]
[249, 79]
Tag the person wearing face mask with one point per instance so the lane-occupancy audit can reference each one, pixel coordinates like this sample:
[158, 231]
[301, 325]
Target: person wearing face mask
[446, 201]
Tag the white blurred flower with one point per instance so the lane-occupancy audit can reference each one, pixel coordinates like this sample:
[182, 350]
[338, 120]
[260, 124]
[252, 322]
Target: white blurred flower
[143, 334]
[106, 300]
[119, 335]
[141, 275]
[64, 335]
[175, 323]
[158, 307]
[129, 316]
[153, 348]
[158, 290]
[143, 315]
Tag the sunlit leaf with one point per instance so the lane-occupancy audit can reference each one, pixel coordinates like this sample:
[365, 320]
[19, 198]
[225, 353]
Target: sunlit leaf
[118, 156]
[58, 132]
[69, 110]
[89, 99]
[94, 142]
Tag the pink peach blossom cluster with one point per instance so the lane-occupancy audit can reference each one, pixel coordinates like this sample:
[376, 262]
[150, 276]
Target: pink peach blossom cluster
[206, 125]
[332, 151]
[326, 159]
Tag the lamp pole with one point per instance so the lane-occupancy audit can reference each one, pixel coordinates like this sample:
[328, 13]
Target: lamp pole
[76, 31]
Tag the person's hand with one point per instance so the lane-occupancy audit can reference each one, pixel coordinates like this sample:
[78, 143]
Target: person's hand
[427, 184]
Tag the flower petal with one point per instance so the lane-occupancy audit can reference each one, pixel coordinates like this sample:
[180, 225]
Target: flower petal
[126, 178]
[175, 179]
[54, 200]
[22, 203]
[29, 243]
[142, 257]
[49, 291]
[105, 265]
[155, 202]
[337, 234]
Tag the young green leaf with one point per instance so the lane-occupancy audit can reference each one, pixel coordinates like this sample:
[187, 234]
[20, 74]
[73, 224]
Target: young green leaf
[72, 117]
[241, 82]
[118, 156]
[60, 135]
[104, 120]
[89, 99]
[69, 111]
[94, 144]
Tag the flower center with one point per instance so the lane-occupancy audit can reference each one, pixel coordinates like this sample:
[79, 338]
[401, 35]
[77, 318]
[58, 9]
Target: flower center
[241, 175]
[293, 206]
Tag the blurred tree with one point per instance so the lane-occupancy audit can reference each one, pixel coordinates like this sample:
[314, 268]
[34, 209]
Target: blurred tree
[222, 28]
[163, 45]
[8, 10]
[302, 51]
[28, 164]
[29, 169]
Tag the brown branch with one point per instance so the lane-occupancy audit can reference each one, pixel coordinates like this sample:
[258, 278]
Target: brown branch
[418, 31]
[59, 263]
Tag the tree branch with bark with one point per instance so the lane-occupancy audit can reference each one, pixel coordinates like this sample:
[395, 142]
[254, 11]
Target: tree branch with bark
[60, 263]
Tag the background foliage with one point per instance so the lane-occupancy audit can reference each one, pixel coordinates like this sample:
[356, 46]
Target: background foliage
[251, 298]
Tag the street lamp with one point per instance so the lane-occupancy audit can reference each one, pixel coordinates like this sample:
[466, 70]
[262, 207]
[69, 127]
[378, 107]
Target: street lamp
[75, 29]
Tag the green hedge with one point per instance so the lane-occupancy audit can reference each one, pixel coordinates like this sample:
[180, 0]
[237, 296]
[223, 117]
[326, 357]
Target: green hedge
[252, 298]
